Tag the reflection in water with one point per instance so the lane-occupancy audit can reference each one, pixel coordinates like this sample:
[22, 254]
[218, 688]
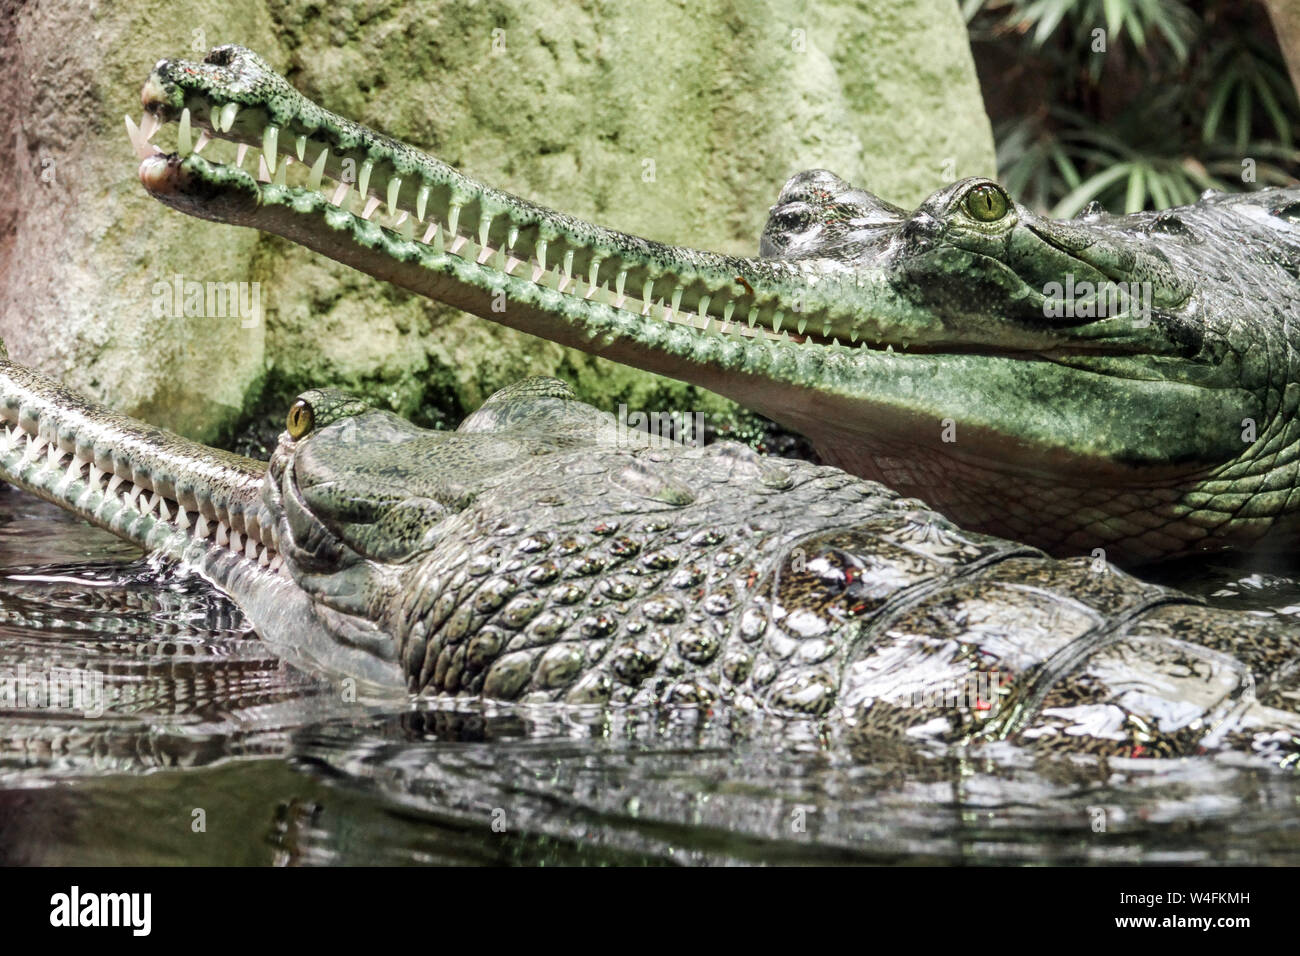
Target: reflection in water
[191, 743]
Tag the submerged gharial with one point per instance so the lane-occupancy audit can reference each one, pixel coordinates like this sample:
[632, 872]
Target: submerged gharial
[539, 554]
[968, 352]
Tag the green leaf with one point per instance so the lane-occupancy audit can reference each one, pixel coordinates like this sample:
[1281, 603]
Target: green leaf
[1243, 117]
[1088, 190]
[1274, 110]
[1214, 111]
[1135, 199]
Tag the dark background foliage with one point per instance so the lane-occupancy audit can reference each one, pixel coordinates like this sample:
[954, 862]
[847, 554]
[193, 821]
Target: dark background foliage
[1136, 104]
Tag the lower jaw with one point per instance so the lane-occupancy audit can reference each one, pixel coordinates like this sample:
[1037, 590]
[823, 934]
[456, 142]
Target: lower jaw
[1066, 516]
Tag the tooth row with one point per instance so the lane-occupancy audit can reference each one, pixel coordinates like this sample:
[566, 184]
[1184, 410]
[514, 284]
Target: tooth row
[727, 312]
[31, 449]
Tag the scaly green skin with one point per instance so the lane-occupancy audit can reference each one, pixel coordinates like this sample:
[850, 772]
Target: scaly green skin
[1070, 434]
[540, 555]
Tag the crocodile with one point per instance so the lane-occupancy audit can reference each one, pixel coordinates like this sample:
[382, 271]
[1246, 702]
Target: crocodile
[1124, 383]
[540, 554]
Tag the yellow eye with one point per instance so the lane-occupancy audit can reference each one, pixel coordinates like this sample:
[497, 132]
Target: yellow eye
[987, 203]
[301, 419]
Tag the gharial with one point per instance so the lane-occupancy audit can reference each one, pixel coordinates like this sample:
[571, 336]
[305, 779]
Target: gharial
[1150, 425]
[536, 555]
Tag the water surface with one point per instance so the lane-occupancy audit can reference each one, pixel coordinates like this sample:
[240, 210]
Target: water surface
[193, 744]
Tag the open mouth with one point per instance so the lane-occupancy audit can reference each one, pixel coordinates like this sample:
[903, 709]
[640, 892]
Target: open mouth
[102, 486]
[368, 184]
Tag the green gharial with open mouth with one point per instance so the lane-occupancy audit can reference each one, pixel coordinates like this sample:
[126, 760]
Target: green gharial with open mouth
[1118, 382]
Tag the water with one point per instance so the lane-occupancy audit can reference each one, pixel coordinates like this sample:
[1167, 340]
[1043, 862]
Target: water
[209, 750]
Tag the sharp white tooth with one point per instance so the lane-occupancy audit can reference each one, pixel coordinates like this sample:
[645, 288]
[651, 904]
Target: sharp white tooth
[276, 563]
[645, 294]
[250, 548]
[421, 201]
[677, 299]
[228, 114]
[776, 320]
[204, 139]
[53, 454]
[262, 560]
[149, 125]
[263, 173]
[512, 237]
[133, 134]
[163, 511]
[371, 205]
[223, 537]
[453, 218]
[340, 194]
[394, 187]
[727, 311]
[484, 228]
[133, 494]
[300, 147]
[318, 169]
[800, 325]
[704, 306]
[240, 154]
[401, 218]
[541, 256]
[184, 144]
[568, 264]
[282, 174]
[439, 236]
[428, 233]
[363, 178]
[620, 281]
[236, 541]
[182, 518]
[270, 138]
[113, 482]
[200, 525]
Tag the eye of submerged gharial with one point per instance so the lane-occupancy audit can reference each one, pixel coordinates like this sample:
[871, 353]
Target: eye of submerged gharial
[987, 203]
[301, 419]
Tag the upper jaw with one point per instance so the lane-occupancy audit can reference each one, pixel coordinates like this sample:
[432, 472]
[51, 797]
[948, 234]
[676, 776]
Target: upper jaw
[371, 179]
